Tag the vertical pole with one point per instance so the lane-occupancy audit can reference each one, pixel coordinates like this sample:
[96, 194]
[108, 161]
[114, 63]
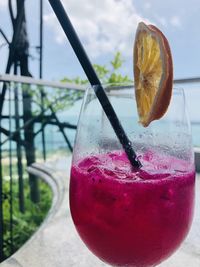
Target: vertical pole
[41, 75]
[1, 202]
[41, 38]
[16, 31]
[19, 152]
[10, 173]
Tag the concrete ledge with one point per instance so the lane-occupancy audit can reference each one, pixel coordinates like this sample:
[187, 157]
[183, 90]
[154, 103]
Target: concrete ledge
[56, 243]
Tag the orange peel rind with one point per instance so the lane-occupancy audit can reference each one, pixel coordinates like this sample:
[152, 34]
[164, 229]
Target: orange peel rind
[153, 73]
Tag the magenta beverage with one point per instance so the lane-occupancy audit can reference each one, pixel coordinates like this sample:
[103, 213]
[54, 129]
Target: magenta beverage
[132, 218]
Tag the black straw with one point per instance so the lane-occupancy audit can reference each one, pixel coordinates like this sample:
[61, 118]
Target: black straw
[94, 80]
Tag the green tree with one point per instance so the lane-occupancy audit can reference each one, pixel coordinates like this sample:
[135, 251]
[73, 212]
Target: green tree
[62, 99]
[109, 73]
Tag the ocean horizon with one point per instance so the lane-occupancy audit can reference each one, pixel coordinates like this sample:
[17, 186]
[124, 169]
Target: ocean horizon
[55, 140]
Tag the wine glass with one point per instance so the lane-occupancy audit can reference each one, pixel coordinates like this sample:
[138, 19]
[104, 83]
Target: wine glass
[125, 216]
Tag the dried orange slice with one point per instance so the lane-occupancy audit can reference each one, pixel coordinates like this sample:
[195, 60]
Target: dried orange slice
[153, 73]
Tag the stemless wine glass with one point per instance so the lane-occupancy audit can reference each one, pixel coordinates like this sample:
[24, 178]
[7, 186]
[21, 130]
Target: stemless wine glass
[126, 216]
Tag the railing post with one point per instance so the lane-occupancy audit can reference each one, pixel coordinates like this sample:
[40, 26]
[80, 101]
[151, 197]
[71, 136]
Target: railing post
[1, 204]
[29, 139]
[19, 152]
[10, 172]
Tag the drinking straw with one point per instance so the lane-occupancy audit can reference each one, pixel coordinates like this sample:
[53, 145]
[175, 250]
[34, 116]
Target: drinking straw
[94, 81]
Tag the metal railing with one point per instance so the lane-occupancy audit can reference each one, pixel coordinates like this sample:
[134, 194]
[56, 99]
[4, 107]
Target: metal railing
[30, 122]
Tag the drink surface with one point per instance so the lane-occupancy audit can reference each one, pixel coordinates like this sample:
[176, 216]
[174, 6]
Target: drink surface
[132, 217]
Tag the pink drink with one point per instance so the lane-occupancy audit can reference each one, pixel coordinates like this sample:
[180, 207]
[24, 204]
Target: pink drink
[132, 218]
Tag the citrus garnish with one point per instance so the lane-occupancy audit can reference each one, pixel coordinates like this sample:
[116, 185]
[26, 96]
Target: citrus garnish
[153, 73]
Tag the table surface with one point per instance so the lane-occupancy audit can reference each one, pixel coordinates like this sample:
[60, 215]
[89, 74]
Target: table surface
[57, 244]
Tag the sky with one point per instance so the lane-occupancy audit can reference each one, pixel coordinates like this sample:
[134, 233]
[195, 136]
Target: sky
[105, 27]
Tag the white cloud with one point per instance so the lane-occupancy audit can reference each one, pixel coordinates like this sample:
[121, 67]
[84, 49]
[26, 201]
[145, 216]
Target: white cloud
[1, 39]
[175, 21]
[162, 21]
[3, 3]
[103, 26]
